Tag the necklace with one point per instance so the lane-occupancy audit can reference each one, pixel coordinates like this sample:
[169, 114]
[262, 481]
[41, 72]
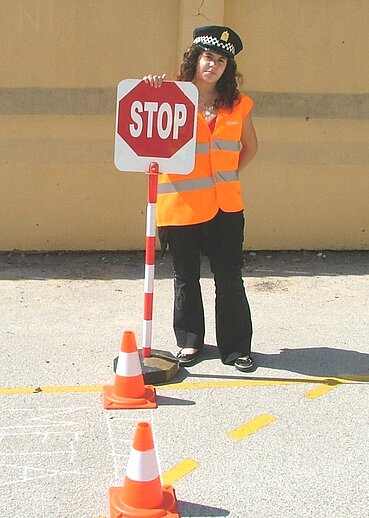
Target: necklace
[208, 110]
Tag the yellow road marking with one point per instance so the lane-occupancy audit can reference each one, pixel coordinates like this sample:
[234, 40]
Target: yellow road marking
[261, 382]
[321, 390]
[179, 471]
[174, 386]
[35, 390]
[223, 384]
[251, 426]
[195, 385]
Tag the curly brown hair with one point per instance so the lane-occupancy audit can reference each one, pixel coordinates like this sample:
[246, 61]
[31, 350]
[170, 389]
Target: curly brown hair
[228, 85]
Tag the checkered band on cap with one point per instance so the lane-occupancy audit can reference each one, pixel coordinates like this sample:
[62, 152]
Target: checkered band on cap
[211, 40]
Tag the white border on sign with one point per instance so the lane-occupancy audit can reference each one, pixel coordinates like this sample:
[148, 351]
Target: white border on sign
[182, 162]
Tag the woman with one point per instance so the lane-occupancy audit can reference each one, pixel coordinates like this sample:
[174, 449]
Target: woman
[203, 212]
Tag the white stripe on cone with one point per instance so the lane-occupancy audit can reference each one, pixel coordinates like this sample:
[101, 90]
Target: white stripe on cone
[128, 364]
[142, 466]
[151, 220]
[149, 278]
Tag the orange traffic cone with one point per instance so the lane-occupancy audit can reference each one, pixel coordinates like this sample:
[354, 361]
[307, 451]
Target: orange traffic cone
[142, 495]
[129, 390]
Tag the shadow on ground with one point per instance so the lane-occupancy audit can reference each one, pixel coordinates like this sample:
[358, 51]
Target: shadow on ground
[201, 511]
[131, 265]
[316, 361]
[323, 362]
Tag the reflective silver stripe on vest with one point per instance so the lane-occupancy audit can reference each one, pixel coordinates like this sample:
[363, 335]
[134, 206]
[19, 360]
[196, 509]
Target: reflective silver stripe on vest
[226, 176]
[202, 148]
[226, 145]
[186, 185]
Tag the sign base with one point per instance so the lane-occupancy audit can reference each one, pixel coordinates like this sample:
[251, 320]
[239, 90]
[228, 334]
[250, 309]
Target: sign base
[159, 368]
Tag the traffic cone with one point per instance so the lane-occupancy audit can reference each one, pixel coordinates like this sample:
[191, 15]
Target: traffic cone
[129, 390]
[142, 495]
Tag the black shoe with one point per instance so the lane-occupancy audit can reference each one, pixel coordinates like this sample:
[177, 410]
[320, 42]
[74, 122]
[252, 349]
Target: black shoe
[244, 364]
[186, 360]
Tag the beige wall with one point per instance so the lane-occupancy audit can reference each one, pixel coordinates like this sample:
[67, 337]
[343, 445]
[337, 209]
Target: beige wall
[84, 43]
[303, 45]
[305, 65]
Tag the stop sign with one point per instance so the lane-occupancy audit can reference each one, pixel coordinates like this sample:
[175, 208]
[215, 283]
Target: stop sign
[156, 124]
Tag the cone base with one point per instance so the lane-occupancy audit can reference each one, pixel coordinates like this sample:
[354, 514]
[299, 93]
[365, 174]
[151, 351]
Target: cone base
[112, 401]
[119, 509]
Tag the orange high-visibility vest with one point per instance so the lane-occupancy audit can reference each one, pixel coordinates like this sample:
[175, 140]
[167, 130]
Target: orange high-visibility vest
[214, 183]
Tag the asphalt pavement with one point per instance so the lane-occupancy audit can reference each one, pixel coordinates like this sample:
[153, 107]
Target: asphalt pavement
[287, 440]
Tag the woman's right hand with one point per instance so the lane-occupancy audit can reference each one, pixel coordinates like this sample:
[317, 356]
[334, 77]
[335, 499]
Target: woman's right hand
[154, 80]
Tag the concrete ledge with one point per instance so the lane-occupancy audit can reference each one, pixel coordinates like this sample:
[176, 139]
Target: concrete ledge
[308, 105]
[101, 101]
[63, 101]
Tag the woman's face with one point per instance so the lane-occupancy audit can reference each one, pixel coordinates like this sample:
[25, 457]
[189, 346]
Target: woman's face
[210, 66]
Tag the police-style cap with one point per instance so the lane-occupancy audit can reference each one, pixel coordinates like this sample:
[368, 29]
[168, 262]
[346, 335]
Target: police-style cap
[222, 40]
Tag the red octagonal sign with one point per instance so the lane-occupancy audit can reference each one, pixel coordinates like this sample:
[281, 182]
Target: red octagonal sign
[156, 124]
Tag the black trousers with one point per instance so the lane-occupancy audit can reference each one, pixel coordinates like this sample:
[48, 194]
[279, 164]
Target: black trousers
[221, 240]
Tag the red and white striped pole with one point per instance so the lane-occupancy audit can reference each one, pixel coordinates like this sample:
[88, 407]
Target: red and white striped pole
[152, 193]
